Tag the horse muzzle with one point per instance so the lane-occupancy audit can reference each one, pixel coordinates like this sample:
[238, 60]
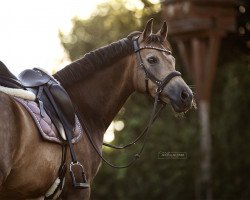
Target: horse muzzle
[179, 95]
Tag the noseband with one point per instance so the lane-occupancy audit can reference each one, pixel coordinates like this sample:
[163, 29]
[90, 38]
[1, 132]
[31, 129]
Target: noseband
[148, 75]
[155, 112]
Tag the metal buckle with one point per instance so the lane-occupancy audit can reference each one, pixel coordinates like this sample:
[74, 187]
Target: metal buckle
[141, 65]
[158, 90]
[81, 184]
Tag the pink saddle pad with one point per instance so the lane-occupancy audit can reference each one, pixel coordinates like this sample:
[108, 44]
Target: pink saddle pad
[46, 128]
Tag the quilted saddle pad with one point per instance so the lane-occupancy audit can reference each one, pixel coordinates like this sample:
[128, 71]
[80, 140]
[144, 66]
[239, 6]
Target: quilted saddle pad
[46, 127]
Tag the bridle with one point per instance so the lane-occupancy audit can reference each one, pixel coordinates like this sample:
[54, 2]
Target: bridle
[148, 75]
[154, 113]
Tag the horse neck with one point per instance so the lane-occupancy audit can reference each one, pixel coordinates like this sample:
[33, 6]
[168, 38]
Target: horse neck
[100, 97]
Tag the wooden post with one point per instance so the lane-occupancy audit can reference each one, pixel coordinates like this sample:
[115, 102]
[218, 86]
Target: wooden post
[200, 70]
[197, 27]
[205, 178]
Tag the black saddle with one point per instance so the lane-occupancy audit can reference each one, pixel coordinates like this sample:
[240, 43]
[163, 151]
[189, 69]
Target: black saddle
[51, 96]
[53, 99]
[34, 78]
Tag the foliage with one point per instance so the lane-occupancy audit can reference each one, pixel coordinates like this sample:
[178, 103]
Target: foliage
[153, 178]
[230, 130]
[102, 26]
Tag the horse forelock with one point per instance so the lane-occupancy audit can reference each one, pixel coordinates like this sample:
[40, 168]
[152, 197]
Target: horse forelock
[153, 38]
[157, 39]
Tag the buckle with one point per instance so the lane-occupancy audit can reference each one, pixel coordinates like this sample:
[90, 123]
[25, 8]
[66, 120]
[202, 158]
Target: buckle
[79, 184]
[158, 90]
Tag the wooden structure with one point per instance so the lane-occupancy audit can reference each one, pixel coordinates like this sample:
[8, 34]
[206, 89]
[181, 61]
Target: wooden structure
[197, 27]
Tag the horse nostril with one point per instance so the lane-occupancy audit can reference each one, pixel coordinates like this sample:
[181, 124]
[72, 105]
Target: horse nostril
[184, 95]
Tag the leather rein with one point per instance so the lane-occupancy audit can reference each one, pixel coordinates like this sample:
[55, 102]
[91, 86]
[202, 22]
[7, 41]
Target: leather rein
[154, 113]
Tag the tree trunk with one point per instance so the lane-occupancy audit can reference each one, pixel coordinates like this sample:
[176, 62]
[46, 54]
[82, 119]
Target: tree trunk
[204, 187]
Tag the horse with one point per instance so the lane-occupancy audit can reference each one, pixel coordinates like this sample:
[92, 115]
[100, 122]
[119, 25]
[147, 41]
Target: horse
[98, 84]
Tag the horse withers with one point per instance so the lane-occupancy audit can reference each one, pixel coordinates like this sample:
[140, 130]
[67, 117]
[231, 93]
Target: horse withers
[98, 85]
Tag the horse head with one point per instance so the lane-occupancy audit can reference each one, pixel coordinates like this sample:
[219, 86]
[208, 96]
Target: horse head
[155, 69]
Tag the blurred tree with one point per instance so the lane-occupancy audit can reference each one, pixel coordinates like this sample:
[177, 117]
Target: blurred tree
[102, 27]
[153, 178]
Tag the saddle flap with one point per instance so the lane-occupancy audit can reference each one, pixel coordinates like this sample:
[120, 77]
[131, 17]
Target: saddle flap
[33, 78]
[64, 103]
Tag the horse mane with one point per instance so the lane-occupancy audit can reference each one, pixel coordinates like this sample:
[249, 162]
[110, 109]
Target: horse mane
[98, 59]
[95, 61]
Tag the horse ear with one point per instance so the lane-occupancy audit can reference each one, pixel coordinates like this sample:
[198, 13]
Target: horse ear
[163, 32]
[148, 29]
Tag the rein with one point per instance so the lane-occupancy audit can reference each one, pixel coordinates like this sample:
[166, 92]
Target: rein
[154, 113]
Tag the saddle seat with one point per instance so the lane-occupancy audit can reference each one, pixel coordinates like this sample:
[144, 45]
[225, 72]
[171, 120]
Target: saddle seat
[33, 78]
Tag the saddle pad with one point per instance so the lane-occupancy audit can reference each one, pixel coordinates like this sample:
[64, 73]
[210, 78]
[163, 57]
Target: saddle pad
[46, 127]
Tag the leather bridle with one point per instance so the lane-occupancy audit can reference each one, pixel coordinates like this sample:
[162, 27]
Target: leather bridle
[148, 75]
[155, 112]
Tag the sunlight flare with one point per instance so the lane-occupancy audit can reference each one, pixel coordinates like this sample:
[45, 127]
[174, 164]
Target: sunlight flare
[109, 135]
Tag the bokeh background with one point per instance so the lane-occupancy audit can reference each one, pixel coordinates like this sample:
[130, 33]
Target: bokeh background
[229, 103]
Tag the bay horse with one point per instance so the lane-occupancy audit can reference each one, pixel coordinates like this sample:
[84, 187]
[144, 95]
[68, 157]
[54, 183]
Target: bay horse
[98, 84]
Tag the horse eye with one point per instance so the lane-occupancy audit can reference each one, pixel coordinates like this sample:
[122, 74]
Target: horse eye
[152, 60]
